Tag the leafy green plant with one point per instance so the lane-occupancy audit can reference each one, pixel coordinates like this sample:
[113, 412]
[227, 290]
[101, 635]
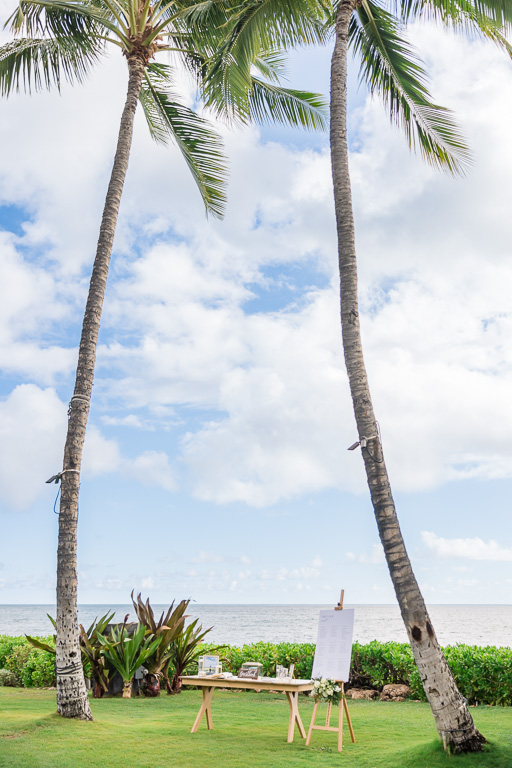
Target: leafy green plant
[127, 652]
[18, 663]
[483, 675]
[168, 628]
[7, 643]
[93, 657]
[185, 650]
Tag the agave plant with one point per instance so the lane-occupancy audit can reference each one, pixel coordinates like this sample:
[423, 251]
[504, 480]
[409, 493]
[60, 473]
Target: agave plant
[168, 627]
[184, 650]
[127, 652]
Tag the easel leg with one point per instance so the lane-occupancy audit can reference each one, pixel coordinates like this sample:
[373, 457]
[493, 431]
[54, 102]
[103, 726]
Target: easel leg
[349, 721]
[206, 707]
[312, 723]
[328, 714]
[293, 701]
[340, 726]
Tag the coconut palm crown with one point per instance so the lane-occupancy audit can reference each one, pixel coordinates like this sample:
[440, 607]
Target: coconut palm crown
[59, 40]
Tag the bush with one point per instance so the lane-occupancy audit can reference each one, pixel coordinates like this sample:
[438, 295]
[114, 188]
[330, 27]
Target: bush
[7, 643]
[483, 675]
[269, 655]
[7, 677]
[30, 666]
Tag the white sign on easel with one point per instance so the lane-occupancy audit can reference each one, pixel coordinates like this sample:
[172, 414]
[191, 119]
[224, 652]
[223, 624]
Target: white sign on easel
[334, 645]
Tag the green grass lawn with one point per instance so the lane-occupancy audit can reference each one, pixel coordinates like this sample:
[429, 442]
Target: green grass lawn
[249, 731]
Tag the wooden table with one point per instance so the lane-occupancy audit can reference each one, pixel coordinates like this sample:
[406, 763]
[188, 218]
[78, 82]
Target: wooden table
[290, 687]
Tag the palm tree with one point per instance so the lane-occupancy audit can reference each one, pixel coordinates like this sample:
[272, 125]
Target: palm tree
[63, 40]
[391, 68]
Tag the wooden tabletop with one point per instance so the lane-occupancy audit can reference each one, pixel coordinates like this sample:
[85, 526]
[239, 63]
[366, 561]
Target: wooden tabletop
[261, 684]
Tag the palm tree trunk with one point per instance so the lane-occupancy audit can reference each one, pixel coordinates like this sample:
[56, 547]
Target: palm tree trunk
[453, 720]
[72, 698]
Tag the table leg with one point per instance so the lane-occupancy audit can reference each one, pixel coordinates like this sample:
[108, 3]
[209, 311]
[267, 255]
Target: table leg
[293, 701]
[206, 707]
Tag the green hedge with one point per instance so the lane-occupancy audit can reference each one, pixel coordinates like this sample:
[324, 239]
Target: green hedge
[32, 667]
[483, 675]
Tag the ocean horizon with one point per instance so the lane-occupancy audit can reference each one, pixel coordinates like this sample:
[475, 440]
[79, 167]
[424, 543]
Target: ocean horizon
[238, 624]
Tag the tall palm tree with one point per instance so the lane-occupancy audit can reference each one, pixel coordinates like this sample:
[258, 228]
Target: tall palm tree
[391, 68]
[62, 40]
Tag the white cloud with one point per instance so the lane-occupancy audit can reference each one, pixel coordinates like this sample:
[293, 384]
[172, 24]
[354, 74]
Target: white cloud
[33, 424]
[468, 549]
[152, 468]
[32, 430]
[100, 455]
[374, 557]
[435, 277]
[208, 557]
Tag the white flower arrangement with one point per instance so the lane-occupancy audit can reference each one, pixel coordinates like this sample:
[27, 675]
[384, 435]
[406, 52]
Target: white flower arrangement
[326, 690]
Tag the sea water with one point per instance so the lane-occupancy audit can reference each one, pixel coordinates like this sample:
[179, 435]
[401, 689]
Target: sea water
[239, 624]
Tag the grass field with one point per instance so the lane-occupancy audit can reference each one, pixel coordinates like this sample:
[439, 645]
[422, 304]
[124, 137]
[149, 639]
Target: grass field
[249, 732]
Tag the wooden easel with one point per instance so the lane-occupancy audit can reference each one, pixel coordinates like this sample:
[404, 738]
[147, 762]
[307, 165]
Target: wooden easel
[343, 708]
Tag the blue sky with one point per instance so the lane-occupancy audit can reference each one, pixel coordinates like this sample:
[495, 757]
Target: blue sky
[216, 465]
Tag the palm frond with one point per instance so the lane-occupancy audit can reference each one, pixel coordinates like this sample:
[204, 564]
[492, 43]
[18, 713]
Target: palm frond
[65, 18]
[257, 28]
[391, 67]
[32, 64]
[168, 119]
[272, 66]
[271, 103]
[467, 16]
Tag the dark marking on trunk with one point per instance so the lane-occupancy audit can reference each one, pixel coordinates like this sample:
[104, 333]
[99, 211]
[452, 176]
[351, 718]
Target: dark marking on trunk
[430, 631]
[416, 633]
[433, 691]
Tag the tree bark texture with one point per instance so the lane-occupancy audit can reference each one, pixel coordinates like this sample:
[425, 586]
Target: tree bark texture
[72, 698]
[452, 717]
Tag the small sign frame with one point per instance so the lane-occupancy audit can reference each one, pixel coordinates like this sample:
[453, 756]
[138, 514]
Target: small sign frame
[249, 673]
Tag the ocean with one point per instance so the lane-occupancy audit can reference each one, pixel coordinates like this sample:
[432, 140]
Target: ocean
[239, 624]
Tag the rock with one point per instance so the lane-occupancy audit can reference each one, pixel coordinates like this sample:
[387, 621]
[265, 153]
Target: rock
[362, 693]
[395, 692]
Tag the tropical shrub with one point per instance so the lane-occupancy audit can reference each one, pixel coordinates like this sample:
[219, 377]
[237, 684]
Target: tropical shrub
[96, 666]
[183, 652]
[483, 674]
[169, 629]
[377, 664]
[269, 655]
[7, 643]
[127, 651]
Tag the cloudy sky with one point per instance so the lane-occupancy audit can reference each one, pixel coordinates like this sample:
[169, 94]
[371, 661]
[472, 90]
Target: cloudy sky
[216, 461]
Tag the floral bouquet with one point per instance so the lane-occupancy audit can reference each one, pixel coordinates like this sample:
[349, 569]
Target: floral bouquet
[326, 690]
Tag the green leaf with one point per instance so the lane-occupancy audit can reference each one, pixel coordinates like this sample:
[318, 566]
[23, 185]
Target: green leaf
[32, 64]
[39, 644]
[391, 67]
[170, 120]
[272, 103]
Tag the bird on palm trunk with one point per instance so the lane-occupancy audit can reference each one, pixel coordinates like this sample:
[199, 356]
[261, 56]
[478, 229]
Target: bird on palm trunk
[57, 40]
